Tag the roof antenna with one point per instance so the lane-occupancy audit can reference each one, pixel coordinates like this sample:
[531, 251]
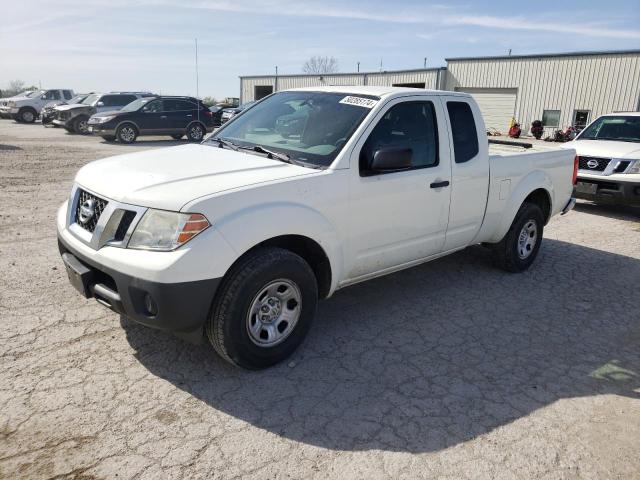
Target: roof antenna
[197, 83]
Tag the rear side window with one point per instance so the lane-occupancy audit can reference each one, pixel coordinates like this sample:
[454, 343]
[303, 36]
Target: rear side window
[405, 125]
[174, 105]
[117, 100]
[463, 131]
[67, 94]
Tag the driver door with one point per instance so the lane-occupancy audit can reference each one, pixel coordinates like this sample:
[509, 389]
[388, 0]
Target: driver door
[399, 217]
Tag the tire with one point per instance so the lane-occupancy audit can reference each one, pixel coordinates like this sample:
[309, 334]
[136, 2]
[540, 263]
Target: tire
[109, 138]
[27, 115]
[196, 132]
[519, 247]
[177, 137]
[127, 133]
[261, 276]
[69, 129]
[80, 125]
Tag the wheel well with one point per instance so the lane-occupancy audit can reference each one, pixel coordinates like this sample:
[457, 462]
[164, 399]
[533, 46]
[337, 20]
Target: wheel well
[199, 123]
[541, 198]
[311, 252]
[28, 108]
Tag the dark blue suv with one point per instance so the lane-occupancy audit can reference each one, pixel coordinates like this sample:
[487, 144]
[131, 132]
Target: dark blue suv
[174, 116]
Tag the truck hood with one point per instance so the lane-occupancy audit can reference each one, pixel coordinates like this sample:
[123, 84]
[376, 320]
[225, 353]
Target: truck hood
[171, 177]
[606, 148]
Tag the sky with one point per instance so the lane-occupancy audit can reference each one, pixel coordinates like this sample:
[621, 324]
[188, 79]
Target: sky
[109, 45]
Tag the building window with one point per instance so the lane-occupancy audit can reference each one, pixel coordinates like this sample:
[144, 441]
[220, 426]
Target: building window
[261, 91]
[581, 118]
[551, 118]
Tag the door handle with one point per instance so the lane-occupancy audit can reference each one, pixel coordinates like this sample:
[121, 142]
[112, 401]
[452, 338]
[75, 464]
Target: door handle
[444, 183]
[163, 116]
[189, 115]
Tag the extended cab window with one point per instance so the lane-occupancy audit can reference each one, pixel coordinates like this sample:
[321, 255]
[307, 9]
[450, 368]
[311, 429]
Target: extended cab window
[408, 125]
[463, 131]
[67, 94]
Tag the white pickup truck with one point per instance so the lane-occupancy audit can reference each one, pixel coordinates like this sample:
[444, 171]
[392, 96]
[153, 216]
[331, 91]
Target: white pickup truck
[305, 192]
[609, 159]
[27, 108]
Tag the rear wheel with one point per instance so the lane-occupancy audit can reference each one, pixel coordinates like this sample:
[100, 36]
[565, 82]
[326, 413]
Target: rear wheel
[519, 247]
[195, 132]
[264, 308]
[126, 133]
[80, 125]
[27, 115]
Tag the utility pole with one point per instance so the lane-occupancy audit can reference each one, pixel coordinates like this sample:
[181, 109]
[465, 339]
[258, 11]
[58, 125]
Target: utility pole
[276, 82]
[197, 79]
[358, 67]
[509, 52]
[425, 63]
[380, 64]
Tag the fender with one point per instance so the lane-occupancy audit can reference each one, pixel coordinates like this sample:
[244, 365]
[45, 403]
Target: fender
[501, 212]
[264, 224]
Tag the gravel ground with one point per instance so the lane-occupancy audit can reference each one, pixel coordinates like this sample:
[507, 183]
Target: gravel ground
[452, 369]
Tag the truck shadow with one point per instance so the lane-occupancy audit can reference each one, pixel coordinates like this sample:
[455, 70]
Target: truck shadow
[619, 212]
[433, 356]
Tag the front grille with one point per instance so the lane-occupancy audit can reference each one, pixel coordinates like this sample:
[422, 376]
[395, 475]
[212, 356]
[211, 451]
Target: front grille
[593, 163]
[124, 225]
[94, 206]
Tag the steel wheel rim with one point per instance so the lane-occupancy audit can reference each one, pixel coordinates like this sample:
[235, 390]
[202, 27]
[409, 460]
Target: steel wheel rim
[274, 313]
[527, 239]
[82, 126]
[127, 134]
[196, 132]
[28, 116]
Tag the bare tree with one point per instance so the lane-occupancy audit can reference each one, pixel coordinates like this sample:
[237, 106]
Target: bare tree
[15, 87]
[320, 65]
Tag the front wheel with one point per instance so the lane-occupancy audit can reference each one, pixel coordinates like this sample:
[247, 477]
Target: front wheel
[126, 133]
[519, 247]
[264, 308]
[80, 125]
[27, 115]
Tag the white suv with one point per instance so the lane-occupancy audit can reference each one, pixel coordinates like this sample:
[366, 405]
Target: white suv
[26, 109]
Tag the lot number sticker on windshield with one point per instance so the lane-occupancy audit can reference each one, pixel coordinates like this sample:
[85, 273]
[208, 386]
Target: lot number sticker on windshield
[359, 101]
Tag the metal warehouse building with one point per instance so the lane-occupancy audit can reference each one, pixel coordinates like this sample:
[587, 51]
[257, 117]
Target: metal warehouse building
[559, 89]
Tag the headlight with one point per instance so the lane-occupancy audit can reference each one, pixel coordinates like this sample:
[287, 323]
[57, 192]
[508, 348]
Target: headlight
[103, 119]
[11, 104]
[165, 231]
[635, 168]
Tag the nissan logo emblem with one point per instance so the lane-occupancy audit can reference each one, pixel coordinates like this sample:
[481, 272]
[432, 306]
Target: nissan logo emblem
[592, 163]
[87, 211]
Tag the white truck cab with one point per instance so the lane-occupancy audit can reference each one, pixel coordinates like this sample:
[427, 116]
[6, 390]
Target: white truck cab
[27, 108]
[609, 159]
[305, 192]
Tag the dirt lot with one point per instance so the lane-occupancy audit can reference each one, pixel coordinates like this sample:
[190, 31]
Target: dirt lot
[451, 370]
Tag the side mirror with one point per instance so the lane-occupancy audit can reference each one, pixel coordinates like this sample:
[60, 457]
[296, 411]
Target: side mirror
[391, 159]
[100, 104]
[43, 97]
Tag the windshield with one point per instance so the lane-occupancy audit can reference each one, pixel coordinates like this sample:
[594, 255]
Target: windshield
[310, 127]
[136, 104]
[76, 99]
[90, 100]
[34, 93]
[621, 128]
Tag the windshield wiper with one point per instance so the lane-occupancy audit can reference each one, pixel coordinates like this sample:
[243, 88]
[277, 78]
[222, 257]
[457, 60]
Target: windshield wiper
[225, 143]
[271, 154]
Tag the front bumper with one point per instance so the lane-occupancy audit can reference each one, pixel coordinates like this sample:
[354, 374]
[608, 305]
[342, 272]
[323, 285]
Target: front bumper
[181, 308]
[101, 129]
[62, 123]
[608, 190]
[5, 112]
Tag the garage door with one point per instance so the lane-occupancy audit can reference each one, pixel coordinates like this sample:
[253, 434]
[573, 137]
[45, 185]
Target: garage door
[498, 105]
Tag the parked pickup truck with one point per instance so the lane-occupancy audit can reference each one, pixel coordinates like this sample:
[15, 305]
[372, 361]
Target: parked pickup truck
[27, 108]
[609, 159]
[235, 239]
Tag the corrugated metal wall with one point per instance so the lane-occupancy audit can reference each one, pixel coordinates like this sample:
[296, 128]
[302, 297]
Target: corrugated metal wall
[428, 77]
[599, 83]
